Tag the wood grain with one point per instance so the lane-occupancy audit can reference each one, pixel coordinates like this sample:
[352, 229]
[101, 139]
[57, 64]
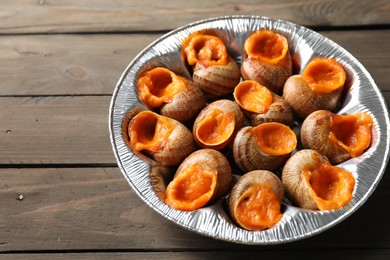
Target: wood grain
[376, 254]
[47, 16]
[92, 64]
[58, 130]
[55, 130]
[66, 64]
[61, 193]
[94, 209]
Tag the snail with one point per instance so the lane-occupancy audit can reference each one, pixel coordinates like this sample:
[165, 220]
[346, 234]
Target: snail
[202, 177]
[338, 137]
[261, 105]
[163, 139]
[215, 72]
[319, 87]
[255, 200]
[311, 182]
[263, 147]
[172, 95]
[267, 59]
[217, 124]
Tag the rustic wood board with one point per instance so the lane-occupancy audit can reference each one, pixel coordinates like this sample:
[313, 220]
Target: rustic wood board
[58, 130]
[55, 130]
[93, 64]
[66, 64]
[102, 16]
[375, 254]
[61, 193]
[95, 209]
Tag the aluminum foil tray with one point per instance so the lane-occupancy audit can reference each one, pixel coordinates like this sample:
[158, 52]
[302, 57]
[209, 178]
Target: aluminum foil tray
[362, 95]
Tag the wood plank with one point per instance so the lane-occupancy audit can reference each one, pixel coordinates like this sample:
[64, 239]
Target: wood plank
[386, 96]
[66, 64]
[92, 64]
[55, 130]
[372, 254]
[370, 48]
[94, 209]
[45, 16]
[58, 130]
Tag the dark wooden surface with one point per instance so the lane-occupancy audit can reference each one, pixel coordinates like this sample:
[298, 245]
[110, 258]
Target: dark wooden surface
[59, 64]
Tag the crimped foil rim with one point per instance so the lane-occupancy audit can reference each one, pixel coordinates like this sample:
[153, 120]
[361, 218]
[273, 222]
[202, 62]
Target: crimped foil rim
[213, 221]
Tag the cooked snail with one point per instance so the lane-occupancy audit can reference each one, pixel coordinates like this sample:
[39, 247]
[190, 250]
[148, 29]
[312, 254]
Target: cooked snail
[264, 147]
[214, 70]
[267, 59]
[320, 86]
[261, 105]
[255, 200]
[172, 95]
[161, 138]
[338, 137]
[313, 183]
[217, 124]
[201, 178]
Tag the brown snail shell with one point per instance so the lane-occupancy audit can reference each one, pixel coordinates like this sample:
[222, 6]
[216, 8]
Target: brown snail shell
[170, 94]
[304, 101]
[214, 71]
[263, 147]
[185, 105]
[250, 186]
[311, 182]
[217, 80]
[217, 124]
[275, 109]
[269, 65]
[337, 137]
[280, 111]
[319, 87]
[163, 139]
[202, 177]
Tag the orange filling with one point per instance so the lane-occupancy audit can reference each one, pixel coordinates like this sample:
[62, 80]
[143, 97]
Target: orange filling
[267, 46]
[216, 128]
[258, 208]
[191, 189]
[352, 132]
[332, 187]
[207, 49]
[253, 96]
[149, 131]
[159, 86]
[324, 75]
[275, 138]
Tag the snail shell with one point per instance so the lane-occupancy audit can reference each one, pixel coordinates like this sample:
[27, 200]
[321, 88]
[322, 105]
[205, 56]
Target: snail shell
[255, 200]
[214, 71]
[263, 147]
[217, 80]
[261, 105]
[267, 60]
[338, 137]
[161, 138]
[172, 95]
[201, 178]
[320, 87]
[311, 182]
[217, 124]
[303, 101]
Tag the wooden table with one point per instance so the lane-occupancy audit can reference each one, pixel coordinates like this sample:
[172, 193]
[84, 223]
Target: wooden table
[61, 192]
